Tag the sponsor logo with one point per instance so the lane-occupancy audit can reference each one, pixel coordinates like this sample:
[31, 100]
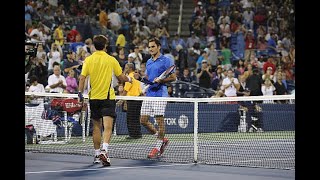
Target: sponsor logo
[183, 121]
[170, 121]
[72, 105]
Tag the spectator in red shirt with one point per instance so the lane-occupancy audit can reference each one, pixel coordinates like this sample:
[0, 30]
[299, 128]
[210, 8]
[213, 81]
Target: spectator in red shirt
[270, 63]
[71, 36]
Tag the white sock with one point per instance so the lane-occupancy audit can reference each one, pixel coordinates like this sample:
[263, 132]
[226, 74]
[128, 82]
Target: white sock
[158, 145]
[156, 134]
[97, 152]
[105, 146]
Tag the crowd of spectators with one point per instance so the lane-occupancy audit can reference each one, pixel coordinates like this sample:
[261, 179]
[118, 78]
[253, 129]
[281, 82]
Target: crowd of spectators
[248, 43]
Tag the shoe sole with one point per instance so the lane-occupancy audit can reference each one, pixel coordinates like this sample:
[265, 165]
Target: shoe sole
[105, 161]
[154, 157]
[164, 147]
[96, 162]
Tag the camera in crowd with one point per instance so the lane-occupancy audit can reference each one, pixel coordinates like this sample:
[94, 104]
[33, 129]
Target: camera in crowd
[31, 48]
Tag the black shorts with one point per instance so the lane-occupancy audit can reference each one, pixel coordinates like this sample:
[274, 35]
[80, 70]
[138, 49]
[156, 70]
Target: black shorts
[101, 108]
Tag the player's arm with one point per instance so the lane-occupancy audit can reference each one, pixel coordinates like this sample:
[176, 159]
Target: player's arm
[124, 78]
[82, 79]
[119, 74]
[171, 78]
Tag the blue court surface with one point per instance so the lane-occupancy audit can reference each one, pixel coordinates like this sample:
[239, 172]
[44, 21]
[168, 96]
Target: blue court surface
[46, 166]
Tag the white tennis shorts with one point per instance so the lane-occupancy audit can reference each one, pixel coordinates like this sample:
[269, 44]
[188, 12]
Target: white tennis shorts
[153, 108]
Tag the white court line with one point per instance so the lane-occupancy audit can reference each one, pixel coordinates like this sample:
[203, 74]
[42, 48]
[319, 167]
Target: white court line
[113, 168]
[245, 161]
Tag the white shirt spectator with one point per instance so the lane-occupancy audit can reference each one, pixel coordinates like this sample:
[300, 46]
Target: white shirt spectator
[42, 55]
[38, 34]
[38, 88]
[227, 18]
[56, 57]
[162, 14]
[267, 91]
[53, 79]
[115, 21]
[248, 15]
[246, 4]
[231, 90]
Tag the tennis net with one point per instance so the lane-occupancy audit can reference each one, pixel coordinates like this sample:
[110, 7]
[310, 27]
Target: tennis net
[256, 131]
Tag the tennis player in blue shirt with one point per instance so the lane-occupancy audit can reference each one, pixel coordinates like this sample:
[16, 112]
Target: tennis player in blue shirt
[155, 66]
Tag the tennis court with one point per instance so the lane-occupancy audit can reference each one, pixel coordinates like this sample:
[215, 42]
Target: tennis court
[206, 142]
[238, 157]
[49, 166]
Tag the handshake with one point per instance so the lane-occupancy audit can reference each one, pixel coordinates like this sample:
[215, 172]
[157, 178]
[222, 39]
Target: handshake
[80, 97]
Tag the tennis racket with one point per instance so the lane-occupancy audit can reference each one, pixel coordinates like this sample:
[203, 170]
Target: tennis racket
[162, 76]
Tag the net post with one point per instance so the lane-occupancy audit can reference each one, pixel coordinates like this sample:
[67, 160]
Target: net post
[83, 124]
[65, 126]
[55, 136]
[88, 119]
[114, 129]
[195, 133]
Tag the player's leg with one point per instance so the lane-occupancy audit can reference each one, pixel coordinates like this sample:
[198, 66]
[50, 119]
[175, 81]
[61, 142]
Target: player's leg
[161, 126]
[159, 114]
[96, 136]
[108, 113]
[162, 142]
[97, 125]
[145, 113]
[107, 124]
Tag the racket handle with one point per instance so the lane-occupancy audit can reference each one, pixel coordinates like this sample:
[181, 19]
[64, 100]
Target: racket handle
[144, 90]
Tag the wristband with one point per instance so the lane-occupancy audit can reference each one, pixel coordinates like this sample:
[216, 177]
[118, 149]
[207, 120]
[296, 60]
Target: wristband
[130, 79]
[80, 96]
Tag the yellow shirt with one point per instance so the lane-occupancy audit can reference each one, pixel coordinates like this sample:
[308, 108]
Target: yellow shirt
[100, 67]
[59, 33]
[121, 40]
[134, 88]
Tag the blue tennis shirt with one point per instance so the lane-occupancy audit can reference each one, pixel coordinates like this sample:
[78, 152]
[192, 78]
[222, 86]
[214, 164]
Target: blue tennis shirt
[153, 70]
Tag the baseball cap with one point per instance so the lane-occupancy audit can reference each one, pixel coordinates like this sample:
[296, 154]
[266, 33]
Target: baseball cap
[204, 61]
[130, 56]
